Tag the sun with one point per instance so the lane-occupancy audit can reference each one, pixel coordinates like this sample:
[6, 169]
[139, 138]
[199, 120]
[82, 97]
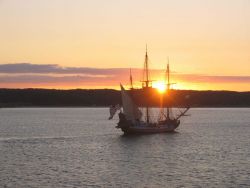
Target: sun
[160, 86]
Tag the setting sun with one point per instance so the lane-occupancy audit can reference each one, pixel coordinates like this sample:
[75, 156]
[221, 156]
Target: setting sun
[160, 86]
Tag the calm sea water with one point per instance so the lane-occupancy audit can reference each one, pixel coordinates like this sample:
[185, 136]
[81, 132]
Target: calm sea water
[79, 147]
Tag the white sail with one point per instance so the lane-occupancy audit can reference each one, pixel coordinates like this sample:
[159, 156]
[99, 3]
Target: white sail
[130, 110]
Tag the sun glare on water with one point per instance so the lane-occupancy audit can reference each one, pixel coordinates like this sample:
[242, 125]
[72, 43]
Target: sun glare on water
[160, 86]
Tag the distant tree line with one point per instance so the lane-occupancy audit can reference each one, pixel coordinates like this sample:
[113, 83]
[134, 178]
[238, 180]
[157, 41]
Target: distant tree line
[107, 97]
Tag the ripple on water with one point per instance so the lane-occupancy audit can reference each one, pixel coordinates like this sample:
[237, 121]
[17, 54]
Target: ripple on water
[78, 147]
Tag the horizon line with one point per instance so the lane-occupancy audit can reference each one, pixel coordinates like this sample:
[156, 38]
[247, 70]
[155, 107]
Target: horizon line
[67, 89]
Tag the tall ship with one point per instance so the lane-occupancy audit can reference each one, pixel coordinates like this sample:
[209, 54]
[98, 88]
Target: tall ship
[135, 120]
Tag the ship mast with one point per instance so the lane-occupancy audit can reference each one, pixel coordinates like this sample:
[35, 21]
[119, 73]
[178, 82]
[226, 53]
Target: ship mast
[146, 81]
[146, 67]
[168, 89]
[131, 80]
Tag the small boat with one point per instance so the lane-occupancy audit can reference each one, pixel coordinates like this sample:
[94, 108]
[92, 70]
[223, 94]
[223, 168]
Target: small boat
[135, 120]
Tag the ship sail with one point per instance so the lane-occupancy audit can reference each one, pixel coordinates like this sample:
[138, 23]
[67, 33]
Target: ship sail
[130, 119]
[130, 110]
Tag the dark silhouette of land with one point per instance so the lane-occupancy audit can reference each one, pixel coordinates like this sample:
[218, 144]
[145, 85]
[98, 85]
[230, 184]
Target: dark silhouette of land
[107, 97]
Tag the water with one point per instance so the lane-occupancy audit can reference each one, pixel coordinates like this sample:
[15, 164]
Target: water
[79, 147]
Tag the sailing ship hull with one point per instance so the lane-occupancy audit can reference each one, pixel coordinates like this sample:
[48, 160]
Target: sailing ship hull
[144, 128]
[147, 130]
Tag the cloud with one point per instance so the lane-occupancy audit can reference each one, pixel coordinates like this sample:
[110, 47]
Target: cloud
[197, 78]
[51, 79]
[27, 73]
[28, 68]
[56, 69]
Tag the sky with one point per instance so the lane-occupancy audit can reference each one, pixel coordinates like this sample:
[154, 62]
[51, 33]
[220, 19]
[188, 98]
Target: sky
[67, 44]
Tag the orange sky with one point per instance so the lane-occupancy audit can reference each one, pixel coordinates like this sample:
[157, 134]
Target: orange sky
[209, 40]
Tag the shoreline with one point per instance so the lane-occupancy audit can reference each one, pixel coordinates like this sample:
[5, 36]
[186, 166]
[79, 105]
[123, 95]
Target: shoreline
[108, 107]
